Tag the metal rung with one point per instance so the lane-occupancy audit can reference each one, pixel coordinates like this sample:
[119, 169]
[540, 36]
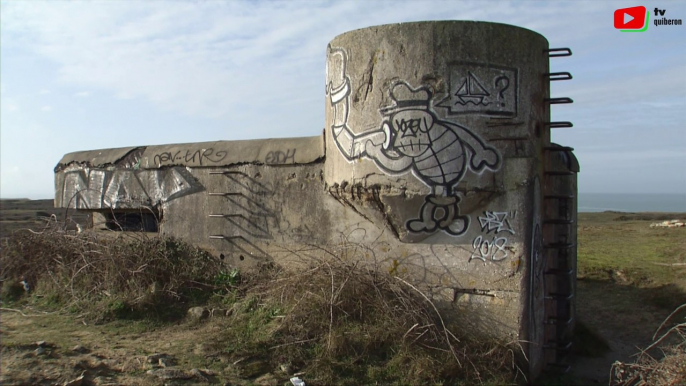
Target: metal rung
[553, 52]
[560, 272]
[226, 215]
[559, 197]
[558, 221]
[557, 101]
[559, 124]
[559, 173]
[558, 148]
[227, 172]
[222, 237]
[558, 75]
[556, 320]
[560, 245]
[554, 346]
[558, 296]
[224, 194]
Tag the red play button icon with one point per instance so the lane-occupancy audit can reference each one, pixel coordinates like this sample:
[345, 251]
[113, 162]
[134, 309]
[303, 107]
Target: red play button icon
[630, 18]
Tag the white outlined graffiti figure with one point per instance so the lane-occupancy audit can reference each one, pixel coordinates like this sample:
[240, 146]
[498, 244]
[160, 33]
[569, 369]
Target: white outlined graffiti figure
[412, 138]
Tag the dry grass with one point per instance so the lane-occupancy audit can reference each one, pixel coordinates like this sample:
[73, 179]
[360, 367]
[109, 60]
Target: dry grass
[334, 321]
[668, 370]
[104, 275]
[343, 324]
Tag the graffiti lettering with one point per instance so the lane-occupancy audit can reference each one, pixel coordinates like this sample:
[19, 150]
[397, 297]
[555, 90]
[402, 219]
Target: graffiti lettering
[200, 156]
[497, 222]
[166, 157]
[96, 189]
[496, 248]
[493, 250]
[279, 157]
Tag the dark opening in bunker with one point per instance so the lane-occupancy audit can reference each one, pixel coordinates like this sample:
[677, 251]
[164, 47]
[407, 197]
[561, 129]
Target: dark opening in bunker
[132, 221]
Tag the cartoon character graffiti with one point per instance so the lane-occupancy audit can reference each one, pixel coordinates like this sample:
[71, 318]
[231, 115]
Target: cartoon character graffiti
[412, 138]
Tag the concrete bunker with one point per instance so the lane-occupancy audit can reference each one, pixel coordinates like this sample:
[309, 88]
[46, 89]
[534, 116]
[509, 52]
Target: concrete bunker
[435, 163]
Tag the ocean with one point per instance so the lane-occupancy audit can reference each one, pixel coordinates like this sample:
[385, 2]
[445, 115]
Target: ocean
[619, 202]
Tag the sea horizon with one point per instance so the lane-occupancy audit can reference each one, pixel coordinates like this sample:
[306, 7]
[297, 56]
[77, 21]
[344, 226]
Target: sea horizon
[632, 202]
[594, 202]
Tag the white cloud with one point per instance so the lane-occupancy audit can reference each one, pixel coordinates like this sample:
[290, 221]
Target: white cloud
[258, 67]
[46, 109]
[44, 91]
[208, 58]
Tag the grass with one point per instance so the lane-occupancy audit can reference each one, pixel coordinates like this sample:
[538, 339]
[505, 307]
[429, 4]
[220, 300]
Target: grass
[629, 273]
[334, 321]
[623, 249]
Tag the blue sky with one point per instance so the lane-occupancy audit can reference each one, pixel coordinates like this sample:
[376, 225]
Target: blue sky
[83, 75]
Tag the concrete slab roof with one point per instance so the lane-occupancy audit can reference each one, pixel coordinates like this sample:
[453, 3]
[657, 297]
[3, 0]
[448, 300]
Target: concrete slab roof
[275, 151]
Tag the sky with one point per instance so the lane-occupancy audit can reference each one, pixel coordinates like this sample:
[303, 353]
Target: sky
[83, 75]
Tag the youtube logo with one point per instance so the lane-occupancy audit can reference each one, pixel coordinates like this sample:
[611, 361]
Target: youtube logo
[634, 19]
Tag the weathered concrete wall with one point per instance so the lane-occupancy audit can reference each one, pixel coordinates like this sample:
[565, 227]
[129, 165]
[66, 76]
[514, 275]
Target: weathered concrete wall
[432, 165]
[446, 120]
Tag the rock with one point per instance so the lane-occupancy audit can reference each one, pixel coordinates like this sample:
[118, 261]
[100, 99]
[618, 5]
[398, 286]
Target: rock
[164, 362]
[197, 373]
[80, 349]
[169, 373]
[39, 351]
[669, 224]
[198, 313]
[41, 343]
[221, 312]
[155, 358]
[252, 369]
[266, 380]
[286, 368]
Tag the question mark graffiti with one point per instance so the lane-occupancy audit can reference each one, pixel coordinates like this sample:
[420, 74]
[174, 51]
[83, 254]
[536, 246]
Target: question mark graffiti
[506, 82]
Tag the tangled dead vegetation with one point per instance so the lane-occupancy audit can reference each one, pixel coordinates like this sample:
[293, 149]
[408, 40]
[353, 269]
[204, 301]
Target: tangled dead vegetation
[104, 276]
[344, 324]
[670, 367]
[335, 321]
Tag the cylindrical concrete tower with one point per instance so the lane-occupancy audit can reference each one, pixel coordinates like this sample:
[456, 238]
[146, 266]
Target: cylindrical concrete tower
[449, 122]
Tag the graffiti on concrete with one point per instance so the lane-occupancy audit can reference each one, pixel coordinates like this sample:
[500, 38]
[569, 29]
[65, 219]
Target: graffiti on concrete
[202, 156]
[412, 138]
[280, 157]
[481, 89]
[497, 221]
[495, 248]
[119, 188]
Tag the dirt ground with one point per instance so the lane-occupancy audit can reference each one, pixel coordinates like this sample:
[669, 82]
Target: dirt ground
[117, 353]
[56, 349]
[625, 333]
